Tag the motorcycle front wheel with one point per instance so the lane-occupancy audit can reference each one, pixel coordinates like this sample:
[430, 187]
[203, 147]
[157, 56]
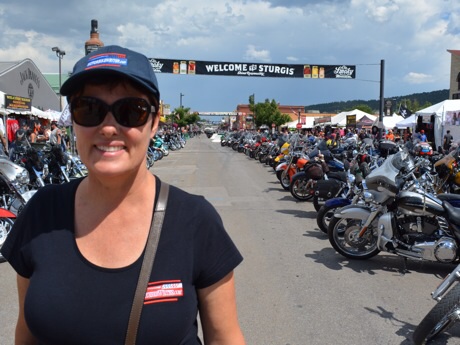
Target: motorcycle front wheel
[439, 319]
[285, 180]
[5, 227]
[343, 236]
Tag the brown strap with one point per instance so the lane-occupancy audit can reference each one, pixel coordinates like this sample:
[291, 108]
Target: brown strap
[147, 264]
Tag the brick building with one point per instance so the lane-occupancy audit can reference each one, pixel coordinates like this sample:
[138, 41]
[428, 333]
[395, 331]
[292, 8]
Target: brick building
[245, 117]
[454, 74]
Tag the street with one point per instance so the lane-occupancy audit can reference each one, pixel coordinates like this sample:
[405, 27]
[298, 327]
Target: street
[292, 287]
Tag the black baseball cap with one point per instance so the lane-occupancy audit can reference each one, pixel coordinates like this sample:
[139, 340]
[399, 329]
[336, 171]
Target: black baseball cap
[109, 60]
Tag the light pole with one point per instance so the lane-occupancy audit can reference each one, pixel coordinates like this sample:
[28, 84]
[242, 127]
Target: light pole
[60, 54]
[181, 95]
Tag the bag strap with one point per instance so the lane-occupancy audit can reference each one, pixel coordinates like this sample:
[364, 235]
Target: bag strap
[147, 264]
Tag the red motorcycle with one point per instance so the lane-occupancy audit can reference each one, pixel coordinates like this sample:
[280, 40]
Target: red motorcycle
[7, 219]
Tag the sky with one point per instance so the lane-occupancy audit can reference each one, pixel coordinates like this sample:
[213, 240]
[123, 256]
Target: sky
[411, 37]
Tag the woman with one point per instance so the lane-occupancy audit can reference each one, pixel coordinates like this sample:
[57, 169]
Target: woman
[35, 135]
[79, 268]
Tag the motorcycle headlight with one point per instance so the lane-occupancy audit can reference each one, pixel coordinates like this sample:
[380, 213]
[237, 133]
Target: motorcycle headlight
[368, 197]
[351, 178]
[23, 177]
[46, 170]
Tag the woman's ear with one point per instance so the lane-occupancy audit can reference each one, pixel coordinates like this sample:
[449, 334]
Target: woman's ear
[155, 124]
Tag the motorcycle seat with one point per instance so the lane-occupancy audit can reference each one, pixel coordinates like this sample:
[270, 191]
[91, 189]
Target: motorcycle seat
[338, 175]
[453, 213]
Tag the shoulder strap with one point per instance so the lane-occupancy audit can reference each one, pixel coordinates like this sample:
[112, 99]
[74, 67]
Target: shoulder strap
[147, 264]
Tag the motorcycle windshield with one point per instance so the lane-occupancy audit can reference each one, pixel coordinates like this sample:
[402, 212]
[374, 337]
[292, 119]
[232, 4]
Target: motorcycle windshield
[402, 161]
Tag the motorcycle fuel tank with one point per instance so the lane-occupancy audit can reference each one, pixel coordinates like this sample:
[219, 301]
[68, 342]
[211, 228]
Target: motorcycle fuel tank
[9, 169]
[418, 204]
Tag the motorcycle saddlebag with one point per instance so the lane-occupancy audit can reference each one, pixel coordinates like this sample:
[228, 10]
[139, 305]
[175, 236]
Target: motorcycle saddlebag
[327, 189]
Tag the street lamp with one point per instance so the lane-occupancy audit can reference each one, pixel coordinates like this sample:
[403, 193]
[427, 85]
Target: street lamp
[181, 95]
[60, 54]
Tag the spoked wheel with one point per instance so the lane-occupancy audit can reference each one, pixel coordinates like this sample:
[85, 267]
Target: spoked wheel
[440, 318]
[285, 180]
[343, 235]
[5, 227]
[299, 189]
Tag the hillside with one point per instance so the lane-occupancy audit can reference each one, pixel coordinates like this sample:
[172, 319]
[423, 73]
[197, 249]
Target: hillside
[422, 99]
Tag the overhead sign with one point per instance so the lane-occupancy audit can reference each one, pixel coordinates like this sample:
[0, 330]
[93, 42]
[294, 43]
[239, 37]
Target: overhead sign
[246, 69]
[18, 103]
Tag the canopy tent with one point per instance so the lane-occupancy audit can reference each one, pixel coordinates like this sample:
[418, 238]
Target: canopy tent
[410, 122]
[446, 117]
[365, 122]
[340, 120]
[307, 122]
[389, 122]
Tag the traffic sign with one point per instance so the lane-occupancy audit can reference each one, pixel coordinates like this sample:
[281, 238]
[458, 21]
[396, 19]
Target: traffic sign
[298, 125]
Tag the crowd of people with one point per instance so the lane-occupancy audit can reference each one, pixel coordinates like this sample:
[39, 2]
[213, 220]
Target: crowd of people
[23, 132]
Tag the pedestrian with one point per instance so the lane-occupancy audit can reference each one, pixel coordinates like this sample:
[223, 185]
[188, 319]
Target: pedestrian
[55, 136]
[390, 135]
[35, 136]
[80, 267]
[423, 136]
[447, 141]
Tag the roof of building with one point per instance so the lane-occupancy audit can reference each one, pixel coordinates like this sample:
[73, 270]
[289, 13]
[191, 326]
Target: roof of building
[454, 52]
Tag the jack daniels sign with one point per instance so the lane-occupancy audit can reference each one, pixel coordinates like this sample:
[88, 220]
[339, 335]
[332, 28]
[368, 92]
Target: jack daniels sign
[245, 69]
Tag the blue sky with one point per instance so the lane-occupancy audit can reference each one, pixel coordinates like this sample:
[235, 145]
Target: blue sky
[412, 36]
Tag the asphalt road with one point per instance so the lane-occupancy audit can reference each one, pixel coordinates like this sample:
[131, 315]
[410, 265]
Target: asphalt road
[292, 287]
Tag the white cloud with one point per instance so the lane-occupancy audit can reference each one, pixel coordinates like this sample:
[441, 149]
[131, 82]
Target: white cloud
[417, 78]
[412, 36]
[253, 54]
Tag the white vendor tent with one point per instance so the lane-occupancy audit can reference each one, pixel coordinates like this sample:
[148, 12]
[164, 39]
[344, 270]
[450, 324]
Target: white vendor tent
[340, 120]
[446, 117]
[410, 122]
[389, 122]
[307, 122]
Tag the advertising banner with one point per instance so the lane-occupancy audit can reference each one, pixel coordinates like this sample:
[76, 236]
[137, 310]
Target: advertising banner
[246, 69]
[18, 103]
[351, 120]
[452, 123]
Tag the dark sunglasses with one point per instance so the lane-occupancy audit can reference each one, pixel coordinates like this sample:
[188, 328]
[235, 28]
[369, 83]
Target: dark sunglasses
[129, 112]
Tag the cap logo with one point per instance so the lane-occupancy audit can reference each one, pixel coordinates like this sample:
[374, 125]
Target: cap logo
[107, 60]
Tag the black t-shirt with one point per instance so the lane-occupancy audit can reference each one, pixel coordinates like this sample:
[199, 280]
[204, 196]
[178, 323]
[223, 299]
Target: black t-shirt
[72, 301]
[448, 140]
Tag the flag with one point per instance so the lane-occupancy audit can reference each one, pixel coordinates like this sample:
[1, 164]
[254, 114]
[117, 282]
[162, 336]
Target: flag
[404, 112]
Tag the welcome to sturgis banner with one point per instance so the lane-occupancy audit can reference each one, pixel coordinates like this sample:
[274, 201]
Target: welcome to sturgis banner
[244, 69]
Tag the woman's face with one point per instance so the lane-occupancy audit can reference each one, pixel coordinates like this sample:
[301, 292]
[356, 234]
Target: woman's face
[109, 149]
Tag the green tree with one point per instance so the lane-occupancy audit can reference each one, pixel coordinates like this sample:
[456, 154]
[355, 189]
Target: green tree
[268, 113]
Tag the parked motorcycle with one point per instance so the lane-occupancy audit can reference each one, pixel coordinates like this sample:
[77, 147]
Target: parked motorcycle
[7, 219]
[409, 222]
[14, 186]
[447, 311]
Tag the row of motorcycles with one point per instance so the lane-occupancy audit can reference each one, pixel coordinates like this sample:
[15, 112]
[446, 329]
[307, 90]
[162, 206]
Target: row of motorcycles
[374, 197]
[31, 166]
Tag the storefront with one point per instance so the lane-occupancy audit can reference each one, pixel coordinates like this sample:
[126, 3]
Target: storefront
[24, 79]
